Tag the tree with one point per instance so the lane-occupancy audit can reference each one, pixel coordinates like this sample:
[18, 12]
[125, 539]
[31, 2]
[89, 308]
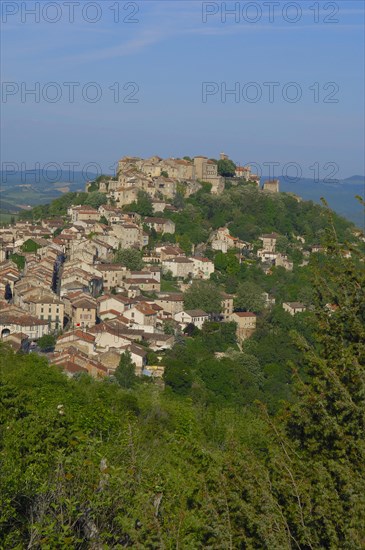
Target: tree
[30, 246]
[164, 174]
[19, 261]
[203, 295]
[130, 258]
[168, 328]
[184, 243]
[93, 186]
[125, 373]
[282, 244]
[103, 177]
[219, 336]
[325, 426]
[178, 200]
[143, 205]
[249, 297]
[96, 199]
[226, 168]
[47, 342]
[191, 330]
[178, 376]
[103, 220]
[227, 263]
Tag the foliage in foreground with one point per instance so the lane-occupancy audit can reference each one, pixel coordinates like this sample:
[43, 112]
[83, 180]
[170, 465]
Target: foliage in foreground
[86, 463]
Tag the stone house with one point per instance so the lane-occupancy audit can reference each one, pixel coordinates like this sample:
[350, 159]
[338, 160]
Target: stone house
[167, 252]
[81, 309]
[172, 302]
[227, 306]
[202, 267]
[108, 336]
[160, 225]
[243, 172]
[124, 195]
[180, 267]
[246, 324]
[15, 322]
[271, 186]
[207, 170]
[165, 187]
[116, 303]
[294, 307]
[158, 206]
[138, 356]
[269, 241]
[46, 306]
[142, 314]
[128, 235]
[113, 275]
[146, 284]
[73, 361]
[222, 240]
[196, 317]
[77, 338]
[283, 261]
[83, 213]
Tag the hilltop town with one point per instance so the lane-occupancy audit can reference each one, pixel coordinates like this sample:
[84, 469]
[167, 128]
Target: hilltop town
[113, 279]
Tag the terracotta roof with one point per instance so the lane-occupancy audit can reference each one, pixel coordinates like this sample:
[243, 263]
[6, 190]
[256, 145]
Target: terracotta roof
[108, 311]
[196, 312]
[201, 259]
[180, 260]
[79, 335]
[137, 350]
[142, 281]
[145, 310]
[156, 220]
[109, 267]
[8, 318]
[72, 367]
[295, 305]
[171, 296]
[84, 303]
[118, 297]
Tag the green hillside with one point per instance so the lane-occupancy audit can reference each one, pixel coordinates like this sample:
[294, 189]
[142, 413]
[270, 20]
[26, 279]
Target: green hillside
[222, 457]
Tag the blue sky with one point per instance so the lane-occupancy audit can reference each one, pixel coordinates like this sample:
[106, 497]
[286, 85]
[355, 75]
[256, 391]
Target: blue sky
[169, 52]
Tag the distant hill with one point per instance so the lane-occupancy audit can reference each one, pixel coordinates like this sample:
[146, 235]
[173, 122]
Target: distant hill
[355, 179]
[44, 179]
[340, 196]
[30, 188]
[24, 189]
